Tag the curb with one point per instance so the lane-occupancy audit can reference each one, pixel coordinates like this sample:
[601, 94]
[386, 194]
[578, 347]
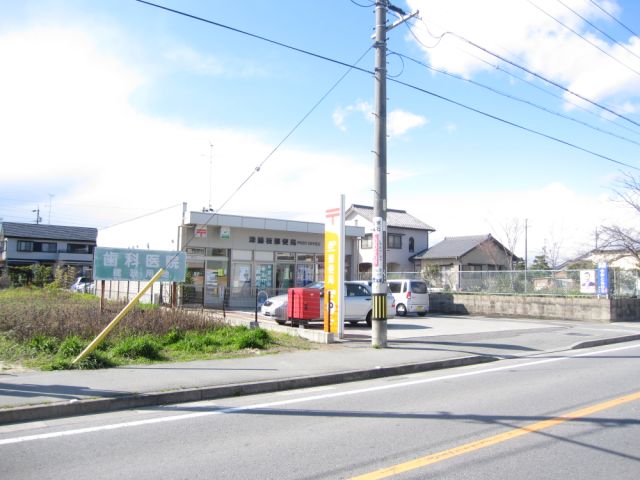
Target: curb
[605, 341]
[101, 405]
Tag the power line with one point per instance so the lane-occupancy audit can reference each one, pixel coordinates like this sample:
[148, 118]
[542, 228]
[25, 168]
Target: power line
[615, 19]
[598, 29]
[517, 99]
[583, 38]
[541, 77]
[513, 124]
[253, 35]
[522, 79]
[369, 72]
[295, 127]
[141, 216]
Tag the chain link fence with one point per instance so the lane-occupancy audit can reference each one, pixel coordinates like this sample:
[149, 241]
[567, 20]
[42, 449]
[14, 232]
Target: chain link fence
[622, 283]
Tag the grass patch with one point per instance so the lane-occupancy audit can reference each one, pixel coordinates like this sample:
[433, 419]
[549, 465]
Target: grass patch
[47, 329]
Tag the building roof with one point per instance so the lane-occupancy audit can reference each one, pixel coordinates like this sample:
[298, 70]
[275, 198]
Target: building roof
[453, 247]
[395, 218]
[48, 232]
[456, 247]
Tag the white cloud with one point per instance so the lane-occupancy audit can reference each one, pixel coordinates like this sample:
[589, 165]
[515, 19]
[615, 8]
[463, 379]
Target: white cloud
[67, 121]
[341, 114]
[520, 32]
[400, 122]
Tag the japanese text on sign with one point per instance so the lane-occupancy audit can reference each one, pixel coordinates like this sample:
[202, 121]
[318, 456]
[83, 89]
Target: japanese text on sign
[138, 265]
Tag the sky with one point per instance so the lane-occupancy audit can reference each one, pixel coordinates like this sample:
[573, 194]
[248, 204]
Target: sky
[115, 113]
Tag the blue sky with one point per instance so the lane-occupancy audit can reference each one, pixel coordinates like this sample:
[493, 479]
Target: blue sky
[109, 110]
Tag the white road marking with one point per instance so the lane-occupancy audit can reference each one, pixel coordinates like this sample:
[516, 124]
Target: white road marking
[280, 403]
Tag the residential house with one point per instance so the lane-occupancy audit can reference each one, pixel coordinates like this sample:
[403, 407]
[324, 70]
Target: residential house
[613, 257]
[468, 253]
[406, 235]
[23, 244]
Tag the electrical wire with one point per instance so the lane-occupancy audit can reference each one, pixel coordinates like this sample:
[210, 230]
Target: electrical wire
[513, 124]
[583, 38]
[141, 216]
[514, 98]
[480, 112]
[615, 19]
[595, 27]
[524, 80]
[295, 127]
[541, 77]
[363, 6]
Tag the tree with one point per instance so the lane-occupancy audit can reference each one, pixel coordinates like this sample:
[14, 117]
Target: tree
[624, 237]
[540, 263]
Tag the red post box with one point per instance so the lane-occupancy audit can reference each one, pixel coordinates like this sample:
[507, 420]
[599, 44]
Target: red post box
[304, 304]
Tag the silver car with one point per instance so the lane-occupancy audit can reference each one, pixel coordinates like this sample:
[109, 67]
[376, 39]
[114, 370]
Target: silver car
[357, 296]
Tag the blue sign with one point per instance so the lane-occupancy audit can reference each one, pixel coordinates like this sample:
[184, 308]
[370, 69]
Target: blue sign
[602, 280]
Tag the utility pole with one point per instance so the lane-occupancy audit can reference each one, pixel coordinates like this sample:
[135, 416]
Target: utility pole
[210, 175]
[379, 234]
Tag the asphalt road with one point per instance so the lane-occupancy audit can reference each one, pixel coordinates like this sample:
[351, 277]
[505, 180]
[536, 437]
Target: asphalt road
[503, 420]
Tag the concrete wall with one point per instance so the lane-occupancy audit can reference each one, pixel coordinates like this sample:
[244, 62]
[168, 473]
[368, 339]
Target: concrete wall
[584, 309]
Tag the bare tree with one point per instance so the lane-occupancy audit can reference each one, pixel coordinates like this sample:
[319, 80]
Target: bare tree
[624, 237]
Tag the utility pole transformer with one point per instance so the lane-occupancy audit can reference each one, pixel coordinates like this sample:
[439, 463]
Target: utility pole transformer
[379, 234]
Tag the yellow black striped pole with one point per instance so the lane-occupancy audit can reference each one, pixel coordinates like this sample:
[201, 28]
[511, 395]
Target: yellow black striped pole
[380, 307]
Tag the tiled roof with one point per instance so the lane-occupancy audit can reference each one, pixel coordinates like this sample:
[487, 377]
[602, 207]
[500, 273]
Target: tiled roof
[395, 218]
[453, 247]
[48, 232]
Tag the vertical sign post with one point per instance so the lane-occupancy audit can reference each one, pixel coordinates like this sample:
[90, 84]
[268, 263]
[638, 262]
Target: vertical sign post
[334, 270]
[602, 280]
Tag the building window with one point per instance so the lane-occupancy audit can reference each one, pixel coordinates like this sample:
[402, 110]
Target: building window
[276, 241]
[79, 248]
[46, 247]
[252, 239]
[412, 245]
[366, 242]
[293, 241]
[394, 240]
[269, 241]
[260, 239]
[24, 246]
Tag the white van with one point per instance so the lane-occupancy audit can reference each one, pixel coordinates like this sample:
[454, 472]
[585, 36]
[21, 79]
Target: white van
[410, 295]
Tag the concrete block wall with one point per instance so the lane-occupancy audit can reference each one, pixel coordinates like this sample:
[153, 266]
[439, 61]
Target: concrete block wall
[586, 309]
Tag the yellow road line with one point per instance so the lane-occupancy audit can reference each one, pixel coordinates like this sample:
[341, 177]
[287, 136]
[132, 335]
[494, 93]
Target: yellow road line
[489, 441]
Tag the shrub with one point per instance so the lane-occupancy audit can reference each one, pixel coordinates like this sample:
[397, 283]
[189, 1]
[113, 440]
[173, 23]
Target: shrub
[72, 346]
[255, 338]
[143, 346]
[44, 344]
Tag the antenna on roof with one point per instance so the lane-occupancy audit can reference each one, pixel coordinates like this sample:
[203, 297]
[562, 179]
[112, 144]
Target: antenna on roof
[38, 217]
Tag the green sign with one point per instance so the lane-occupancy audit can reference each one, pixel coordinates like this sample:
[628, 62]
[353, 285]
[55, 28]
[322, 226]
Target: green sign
[138, 265]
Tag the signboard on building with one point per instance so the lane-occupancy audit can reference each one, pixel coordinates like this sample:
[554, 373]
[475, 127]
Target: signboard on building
[334, 270]
[138, 265]
[200, 231]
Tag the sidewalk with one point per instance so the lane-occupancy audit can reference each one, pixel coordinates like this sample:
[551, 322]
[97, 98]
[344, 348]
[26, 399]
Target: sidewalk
[415, 345]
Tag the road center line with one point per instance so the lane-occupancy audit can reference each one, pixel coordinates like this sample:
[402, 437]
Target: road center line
[489, 441]
[291, 401]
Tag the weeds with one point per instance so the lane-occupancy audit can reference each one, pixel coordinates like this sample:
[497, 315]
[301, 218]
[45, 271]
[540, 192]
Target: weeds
[47, 329]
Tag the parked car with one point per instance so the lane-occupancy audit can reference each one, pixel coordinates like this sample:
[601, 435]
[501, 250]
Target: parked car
[357, 297]
[82, 285]
[410, 296]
